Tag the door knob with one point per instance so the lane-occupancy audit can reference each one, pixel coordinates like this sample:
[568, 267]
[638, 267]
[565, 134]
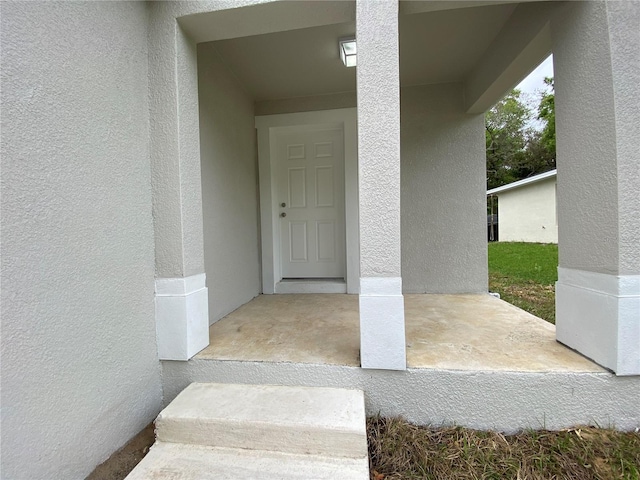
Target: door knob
[283, 214]
[283, 204]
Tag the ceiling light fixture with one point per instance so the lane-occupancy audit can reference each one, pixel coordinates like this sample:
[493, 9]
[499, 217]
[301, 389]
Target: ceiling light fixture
[347, 48]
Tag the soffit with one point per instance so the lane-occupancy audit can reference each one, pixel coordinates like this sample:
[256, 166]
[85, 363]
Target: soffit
[443, 46]
[435, 47]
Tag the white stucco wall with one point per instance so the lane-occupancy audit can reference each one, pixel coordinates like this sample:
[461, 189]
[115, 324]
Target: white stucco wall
[229, 186]
[590, 171]
[598, 131]
[443, 190]
[624, 37]
[174, 147]
[488, 400]
[80, 374]
[378, 92]
[381, 305]
[528, 213]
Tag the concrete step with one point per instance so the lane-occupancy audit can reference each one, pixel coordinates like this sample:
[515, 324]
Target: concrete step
[295, 420]
[176, 461]
[223, 431]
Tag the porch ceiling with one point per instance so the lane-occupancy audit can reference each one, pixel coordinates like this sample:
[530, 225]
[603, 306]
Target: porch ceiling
[452, 332]
[435, 47]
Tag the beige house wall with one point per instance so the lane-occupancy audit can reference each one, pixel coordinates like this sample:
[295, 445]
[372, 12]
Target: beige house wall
[528, 213]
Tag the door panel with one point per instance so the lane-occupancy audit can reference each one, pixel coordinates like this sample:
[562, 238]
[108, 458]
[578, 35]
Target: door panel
[324, 186]
[325, 239]
[298, 241]
[310, 183]
[297, 191]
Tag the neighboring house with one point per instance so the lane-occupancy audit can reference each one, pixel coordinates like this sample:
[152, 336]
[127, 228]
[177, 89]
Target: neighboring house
[527, 209]
[132, 217]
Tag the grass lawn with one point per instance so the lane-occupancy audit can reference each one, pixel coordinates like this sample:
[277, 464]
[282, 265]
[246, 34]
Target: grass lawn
[399, 450]
[524, 274]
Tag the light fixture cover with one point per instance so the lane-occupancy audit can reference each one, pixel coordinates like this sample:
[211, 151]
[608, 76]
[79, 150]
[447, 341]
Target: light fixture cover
[348, 51]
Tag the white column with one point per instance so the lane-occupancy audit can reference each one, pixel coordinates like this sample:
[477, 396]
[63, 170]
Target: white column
[382, 333]
[182, 320]
[182, 316]
[597, 74]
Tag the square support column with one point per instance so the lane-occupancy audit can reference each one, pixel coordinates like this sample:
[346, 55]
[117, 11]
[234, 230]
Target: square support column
[382, 331]
[181, 296]
[597, 100]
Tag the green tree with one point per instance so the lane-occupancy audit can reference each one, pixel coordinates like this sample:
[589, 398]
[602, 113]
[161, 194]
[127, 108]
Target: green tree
[515, 150]
[540, 150]
[547, 113]
[506, 138]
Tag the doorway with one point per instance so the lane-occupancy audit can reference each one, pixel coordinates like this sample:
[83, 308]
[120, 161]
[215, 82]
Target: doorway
[309, 202]
[310, 193]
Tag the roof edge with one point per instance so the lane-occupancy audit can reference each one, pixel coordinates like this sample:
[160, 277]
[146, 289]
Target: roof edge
[523, 182]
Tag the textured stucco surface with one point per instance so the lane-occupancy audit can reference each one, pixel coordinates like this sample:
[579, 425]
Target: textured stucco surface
[229, 186]
[80, 374]
[624, 37]
[528, 213]
[443, 191]
[174, 148]
[505, 401]
[597, 99]
[378, 137]
[587, 158]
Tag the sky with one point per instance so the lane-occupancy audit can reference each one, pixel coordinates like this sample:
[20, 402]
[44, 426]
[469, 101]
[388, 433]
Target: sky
[533, 85]
[535, 81]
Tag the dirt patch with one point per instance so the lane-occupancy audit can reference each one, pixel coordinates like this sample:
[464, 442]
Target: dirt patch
[118, 465]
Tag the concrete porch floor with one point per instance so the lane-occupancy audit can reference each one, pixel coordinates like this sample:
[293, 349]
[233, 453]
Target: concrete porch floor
[451, 332]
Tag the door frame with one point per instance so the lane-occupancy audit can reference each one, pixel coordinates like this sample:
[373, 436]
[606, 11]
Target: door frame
[267, 127]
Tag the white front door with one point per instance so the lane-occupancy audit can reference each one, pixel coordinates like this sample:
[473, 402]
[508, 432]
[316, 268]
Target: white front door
[310, 195]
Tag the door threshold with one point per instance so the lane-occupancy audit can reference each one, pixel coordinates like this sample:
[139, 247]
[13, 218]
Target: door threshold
[311, 285]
